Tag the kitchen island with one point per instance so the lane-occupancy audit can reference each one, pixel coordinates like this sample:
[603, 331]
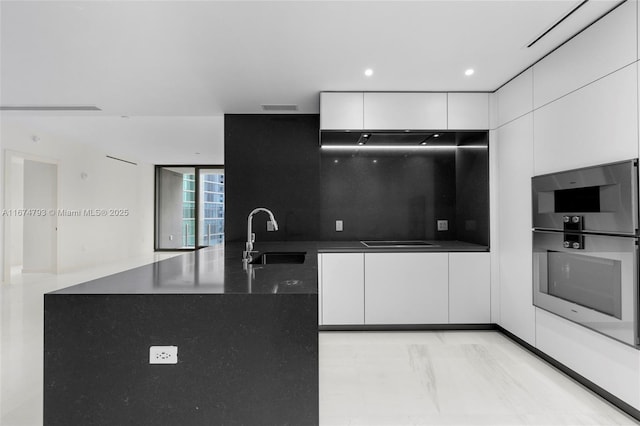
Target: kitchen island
[246, 338]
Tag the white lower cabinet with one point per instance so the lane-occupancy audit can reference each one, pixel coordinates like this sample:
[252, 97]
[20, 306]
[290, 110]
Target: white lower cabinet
[469, 288]
[341, 288]
[406, 288]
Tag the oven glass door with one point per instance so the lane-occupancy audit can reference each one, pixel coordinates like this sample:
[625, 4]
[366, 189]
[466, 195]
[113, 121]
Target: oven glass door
[590, 281]
[595, 286]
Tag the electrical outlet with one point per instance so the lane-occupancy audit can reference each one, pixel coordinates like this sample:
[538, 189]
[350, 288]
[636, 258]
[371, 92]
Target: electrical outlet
[163, 355]
[270, 227]
[443, 225]
[339, 226]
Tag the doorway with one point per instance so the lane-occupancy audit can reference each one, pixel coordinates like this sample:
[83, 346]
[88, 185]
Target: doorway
[30, 215]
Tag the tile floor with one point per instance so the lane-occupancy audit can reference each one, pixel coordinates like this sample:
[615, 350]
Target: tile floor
[366, 378]
[448, 378]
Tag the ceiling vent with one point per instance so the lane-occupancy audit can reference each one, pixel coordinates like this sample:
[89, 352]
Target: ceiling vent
[279, 107]
[558, 22]
[49, 108]
[120, 159]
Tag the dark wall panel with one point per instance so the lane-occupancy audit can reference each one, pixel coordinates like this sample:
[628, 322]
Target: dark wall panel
[272, 161]
[472, 194]
[387, 194]
[275, 161]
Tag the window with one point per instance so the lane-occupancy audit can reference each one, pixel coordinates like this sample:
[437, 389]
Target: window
[189, 202]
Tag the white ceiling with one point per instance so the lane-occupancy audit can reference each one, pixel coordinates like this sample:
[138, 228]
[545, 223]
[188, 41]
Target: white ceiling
[175, 67]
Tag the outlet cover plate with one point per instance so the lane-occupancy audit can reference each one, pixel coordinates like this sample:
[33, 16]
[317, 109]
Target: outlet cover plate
[163, 355]
[339, 226]
[443, 225]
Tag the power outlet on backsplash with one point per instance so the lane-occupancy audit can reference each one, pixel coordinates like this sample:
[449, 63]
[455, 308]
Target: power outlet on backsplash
[270, 227]
[443, 225]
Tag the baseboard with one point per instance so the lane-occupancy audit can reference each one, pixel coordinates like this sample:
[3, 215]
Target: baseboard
[407, 327]
[606, 395]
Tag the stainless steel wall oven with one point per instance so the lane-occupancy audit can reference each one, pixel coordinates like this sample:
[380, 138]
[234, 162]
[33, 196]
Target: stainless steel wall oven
[585, 247]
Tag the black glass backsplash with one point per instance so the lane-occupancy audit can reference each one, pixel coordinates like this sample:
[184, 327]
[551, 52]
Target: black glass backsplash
[275, 161]
[387, 194]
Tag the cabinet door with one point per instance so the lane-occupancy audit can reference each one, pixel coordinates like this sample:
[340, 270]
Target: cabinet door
[596, 124]
[404, 111]
[341, 111]
[468, 111]
[515, 98]
[612, 40]
[513, 188]
[406, 288]
[342, 288]
[469, 288]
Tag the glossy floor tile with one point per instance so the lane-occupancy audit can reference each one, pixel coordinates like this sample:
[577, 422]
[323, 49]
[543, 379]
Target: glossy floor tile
[366, 378]
[448, 378]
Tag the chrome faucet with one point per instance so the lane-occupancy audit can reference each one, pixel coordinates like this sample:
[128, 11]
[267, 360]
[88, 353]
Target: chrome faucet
[251, 237]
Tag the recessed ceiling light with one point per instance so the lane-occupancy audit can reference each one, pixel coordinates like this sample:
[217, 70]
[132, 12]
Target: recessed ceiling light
[436, 135]
[368, 72]
[469, 72]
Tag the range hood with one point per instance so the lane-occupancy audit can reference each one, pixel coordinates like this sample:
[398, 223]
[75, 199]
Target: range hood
[401, 139]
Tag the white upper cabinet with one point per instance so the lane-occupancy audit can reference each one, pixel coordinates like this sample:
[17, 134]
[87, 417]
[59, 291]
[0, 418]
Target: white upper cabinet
[515, 98]
[402, 111]
[341, 110]
[596, 124]
[469, 288]
[468, 111]
[608, 45]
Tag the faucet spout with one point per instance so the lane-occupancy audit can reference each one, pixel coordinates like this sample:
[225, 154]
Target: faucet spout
[250, 235]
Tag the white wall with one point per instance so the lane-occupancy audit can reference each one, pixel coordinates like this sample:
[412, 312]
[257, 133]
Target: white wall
[86, 241]
[17, 201]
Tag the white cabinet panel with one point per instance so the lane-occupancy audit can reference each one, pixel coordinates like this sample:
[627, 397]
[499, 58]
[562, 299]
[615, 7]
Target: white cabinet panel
[494, 225]
[606, 46]
[515, 145]
[400, 111]
[493, 110]
[515, 98]
[468, 111]
[406, 288]
[593, 125]
[342, 288]
[469, 288]
[611, 365]
[341, 110]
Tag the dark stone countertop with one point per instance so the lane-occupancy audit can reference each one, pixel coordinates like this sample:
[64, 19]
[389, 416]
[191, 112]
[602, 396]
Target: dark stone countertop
[213, 270]
[220, 270]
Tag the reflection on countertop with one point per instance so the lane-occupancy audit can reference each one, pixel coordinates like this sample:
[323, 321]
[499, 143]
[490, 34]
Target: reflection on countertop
[213, 270]
[433, 246]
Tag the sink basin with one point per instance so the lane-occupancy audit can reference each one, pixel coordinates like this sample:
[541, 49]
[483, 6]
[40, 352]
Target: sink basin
[275, 257]
[397, 244]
